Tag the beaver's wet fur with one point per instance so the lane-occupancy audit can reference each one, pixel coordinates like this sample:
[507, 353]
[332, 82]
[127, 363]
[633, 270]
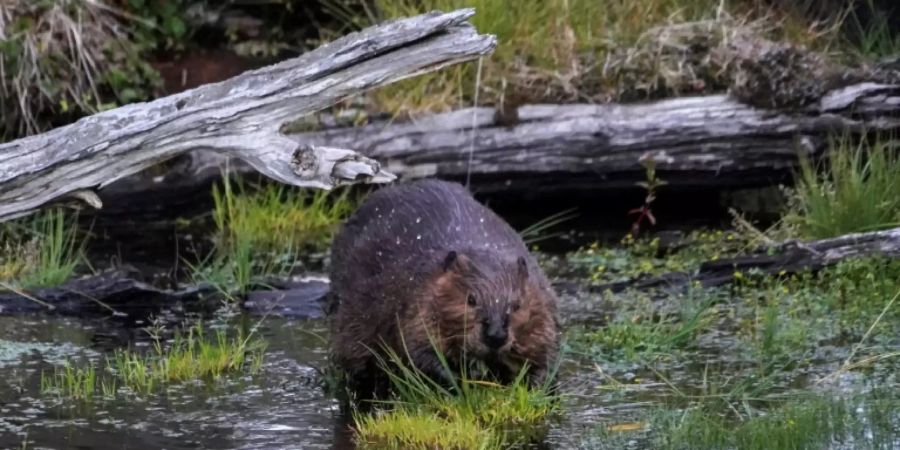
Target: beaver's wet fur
[425, 258]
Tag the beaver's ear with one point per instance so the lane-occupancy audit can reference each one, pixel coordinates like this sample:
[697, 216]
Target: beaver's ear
[455, 262]
[523, 268]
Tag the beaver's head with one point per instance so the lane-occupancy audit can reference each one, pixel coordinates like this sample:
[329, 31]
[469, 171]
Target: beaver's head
[477, 293]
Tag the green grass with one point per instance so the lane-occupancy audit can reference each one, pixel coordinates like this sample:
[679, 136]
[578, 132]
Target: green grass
[263, 231]
[471, 414]
[40, 251]
[874, 40]
[641, 335]
[194, 355]
[77, 383]
[856, 189]
[575, 50]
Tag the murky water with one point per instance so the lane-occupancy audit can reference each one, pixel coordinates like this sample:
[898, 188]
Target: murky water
[285, 406]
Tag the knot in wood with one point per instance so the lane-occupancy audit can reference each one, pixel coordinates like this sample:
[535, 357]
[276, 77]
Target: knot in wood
[304, 160]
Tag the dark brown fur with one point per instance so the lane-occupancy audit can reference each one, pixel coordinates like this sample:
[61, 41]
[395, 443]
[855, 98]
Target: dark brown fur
[407, 265]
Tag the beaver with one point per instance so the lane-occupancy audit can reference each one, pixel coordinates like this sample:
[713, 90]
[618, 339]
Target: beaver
[423, 266]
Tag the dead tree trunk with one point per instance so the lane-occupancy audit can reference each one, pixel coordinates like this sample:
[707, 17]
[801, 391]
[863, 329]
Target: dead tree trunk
[712, 141]
[240, 117]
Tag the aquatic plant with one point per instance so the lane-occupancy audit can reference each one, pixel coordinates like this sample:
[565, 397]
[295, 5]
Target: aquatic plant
[194, 355]
[191, 356]
[646, 256]
[856, 189]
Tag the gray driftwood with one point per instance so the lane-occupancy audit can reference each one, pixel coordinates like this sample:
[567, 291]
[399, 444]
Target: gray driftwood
[708, 141]
[240, 117]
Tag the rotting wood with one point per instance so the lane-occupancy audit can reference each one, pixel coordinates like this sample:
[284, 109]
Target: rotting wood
[709, 141]
[786, 258]
[240, 117]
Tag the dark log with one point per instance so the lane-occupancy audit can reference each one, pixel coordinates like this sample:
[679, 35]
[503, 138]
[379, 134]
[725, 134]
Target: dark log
[123, 293]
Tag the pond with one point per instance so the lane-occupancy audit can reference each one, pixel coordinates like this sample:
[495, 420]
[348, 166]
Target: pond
[284, 405]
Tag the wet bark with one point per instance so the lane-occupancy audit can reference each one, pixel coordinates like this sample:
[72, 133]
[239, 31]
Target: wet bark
[240, 117]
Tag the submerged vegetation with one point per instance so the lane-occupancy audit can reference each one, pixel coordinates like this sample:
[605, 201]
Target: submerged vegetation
[196, 355]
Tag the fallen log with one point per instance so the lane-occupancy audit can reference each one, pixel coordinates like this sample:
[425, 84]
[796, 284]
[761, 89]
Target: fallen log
[123, 293]
[697, 142]
[240, 117]
[786, 258]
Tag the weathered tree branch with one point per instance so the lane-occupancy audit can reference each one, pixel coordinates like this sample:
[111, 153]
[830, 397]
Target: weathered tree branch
[240, 117]
[711, 141]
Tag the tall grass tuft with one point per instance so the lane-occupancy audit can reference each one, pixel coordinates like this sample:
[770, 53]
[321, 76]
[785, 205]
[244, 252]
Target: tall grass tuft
[857, 189]
[41, 251]
[261, 231]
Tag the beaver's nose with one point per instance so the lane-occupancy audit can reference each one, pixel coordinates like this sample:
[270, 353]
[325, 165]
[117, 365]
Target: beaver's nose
[494, 335]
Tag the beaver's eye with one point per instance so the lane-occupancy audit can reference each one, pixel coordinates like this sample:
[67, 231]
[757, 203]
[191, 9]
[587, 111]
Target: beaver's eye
[516, 306]
[470, 299]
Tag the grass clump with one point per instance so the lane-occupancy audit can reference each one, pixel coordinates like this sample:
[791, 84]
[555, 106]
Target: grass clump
[194, 355]
[41, 251]
[856, 189]
[263, 230]
[470, 414]
[77, 383]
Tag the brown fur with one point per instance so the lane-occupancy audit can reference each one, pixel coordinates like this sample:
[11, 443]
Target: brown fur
[407, 265]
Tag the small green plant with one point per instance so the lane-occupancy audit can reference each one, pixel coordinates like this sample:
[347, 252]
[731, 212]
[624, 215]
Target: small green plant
[469, 414]
[857, 190]
[40, 251]
[651, 184]
[262, 231]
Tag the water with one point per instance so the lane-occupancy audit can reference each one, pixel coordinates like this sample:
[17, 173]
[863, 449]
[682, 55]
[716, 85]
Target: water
[285, 406]
[281, 407]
